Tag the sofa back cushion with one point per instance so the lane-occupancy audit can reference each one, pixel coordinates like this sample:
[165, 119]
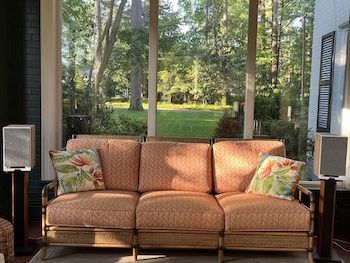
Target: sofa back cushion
[235, 162]
[175, 166]
[120, 160]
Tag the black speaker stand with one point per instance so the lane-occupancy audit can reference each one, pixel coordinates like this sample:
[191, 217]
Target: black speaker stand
[324, 251]
[20, 213]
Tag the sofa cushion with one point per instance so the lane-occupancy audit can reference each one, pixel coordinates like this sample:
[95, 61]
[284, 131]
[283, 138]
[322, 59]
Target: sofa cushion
[120, 160]
[109, 208]
[180, 210]
[175, 166]
[276, 176]
[235, 162]
[77, 171]
[249, 212]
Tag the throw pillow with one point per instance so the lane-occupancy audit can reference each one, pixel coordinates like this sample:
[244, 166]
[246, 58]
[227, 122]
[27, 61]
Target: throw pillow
[77, 171]
[276, 176]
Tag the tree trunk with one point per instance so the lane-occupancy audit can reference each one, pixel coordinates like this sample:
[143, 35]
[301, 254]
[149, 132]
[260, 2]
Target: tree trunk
[104, 46]
[215, 27]
[224, 52]
[206, 21]
[136, 68]
[71, 69]
[263, 23]
[275, 51]
[225, 16]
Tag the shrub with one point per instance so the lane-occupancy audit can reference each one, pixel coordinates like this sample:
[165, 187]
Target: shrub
[132, 126]
[106, 124]
[267, 108]
[227, 127]
[285, 130]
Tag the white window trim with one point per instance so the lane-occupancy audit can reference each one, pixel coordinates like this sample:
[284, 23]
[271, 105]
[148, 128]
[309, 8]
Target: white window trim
[153, 69]
[251, 68]
[51, 95]
[346, 109]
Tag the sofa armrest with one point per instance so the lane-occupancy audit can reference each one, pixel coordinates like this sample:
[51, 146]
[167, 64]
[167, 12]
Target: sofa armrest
[303, 191]
[45, 192]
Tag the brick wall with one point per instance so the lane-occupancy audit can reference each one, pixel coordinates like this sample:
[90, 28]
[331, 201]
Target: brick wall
[31, 86]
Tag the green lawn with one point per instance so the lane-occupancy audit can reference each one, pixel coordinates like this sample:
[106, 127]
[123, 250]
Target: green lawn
[180, 123]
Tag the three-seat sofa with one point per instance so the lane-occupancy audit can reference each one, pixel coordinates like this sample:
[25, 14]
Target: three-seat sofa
[177, 195]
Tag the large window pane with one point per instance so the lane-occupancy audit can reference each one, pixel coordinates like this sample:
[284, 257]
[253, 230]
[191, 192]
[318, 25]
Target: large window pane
[202, 63]
[285, 31]
[104, 66]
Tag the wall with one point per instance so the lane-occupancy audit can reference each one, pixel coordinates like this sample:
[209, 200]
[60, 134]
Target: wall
[330, 15]
[31, 87]
[11, 82]
[20, 86]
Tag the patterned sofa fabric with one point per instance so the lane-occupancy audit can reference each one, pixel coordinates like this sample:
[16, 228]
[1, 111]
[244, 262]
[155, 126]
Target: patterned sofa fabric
[120, 160]
[175, 166]
[179, 210]
[235, 162]
[109, 208]
[250, 212]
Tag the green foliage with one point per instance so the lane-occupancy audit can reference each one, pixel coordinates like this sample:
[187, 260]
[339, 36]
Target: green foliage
[202, 64]
[124, 125]
[267, 108]
[117, 103]
[285, 130]
[228, 126]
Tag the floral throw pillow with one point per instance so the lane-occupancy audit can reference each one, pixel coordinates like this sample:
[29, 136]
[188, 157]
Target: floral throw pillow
[77, 171]
[276, 176]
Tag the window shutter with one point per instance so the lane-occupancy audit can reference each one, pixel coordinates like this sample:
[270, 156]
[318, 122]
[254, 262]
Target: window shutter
[326, 82]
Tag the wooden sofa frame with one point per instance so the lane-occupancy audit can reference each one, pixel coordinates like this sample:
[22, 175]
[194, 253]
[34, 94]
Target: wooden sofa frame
[121, 238]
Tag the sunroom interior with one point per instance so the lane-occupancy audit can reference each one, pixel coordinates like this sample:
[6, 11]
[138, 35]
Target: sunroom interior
[182, 102]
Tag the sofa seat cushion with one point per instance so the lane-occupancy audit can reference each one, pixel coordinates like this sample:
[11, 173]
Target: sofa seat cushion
[179, 210]
[175, 166]
[250, 212]
[235, 162]
[109, 208]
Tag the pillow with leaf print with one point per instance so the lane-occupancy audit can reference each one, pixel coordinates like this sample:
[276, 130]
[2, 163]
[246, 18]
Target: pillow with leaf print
[276, 176]
[77, 171]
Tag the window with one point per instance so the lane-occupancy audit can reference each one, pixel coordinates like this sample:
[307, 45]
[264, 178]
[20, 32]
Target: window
[202, 65]
[104, 66]
[201, 70]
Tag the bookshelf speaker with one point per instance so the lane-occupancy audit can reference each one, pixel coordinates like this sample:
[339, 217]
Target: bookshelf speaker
[18, 148]
[330, 155]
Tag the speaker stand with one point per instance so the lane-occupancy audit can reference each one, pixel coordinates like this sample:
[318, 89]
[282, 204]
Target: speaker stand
[20, 215]
[324, 252]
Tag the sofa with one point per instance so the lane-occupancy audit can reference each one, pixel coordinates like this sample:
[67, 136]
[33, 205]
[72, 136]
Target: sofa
[163, 194]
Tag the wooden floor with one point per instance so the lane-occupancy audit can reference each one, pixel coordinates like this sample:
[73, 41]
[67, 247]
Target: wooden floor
[35, 236]
[345, 244]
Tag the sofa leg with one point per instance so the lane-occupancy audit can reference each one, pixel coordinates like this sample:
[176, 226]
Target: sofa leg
[43, 252]
[310, 257]
[220, 255]
[135, 253]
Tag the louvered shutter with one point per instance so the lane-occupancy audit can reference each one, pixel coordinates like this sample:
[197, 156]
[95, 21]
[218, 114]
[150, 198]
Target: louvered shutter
[326, 82]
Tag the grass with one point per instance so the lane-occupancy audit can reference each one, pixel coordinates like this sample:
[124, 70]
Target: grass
[185, 106]
[179, 123]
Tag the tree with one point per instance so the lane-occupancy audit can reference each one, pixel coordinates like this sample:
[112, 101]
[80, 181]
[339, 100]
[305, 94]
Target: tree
[76, 33]
[275, 44]
[135, 76]
[106, 36]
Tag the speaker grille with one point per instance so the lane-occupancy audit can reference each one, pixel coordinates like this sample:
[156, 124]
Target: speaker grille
[330, 155]
[18, 148]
